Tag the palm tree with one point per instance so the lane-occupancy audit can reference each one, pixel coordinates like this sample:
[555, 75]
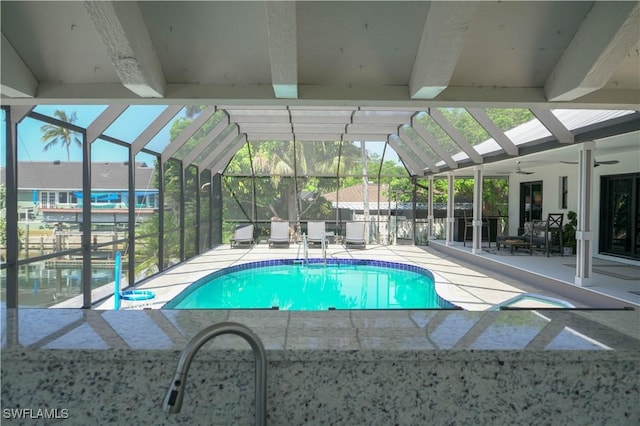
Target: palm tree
[276, 158]
[53, 135]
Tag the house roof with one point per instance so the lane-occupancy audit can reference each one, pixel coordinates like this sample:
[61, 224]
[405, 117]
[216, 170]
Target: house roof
[355, 194]
[350, 198]
[61, 175]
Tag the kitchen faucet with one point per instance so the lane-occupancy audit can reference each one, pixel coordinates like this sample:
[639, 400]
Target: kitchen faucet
[173, 399]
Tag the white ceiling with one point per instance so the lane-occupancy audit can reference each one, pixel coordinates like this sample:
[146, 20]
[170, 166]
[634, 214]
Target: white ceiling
[345, 59]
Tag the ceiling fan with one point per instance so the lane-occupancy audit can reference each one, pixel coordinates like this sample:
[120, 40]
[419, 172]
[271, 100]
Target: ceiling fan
[596, 163]
[517, 170]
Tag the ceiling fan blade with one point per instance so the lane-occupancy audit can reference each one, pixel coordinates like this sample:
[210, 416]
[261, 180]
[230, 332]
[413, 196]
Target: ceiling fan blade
[522, 172]
[596, 163]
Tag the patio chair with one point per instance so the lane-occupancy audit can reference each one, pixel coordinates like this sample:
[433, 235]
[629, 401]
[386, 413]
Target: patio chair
[279, 234]
[243, 235]
[355, 235]
[316, 232]
[554, 231]
[536, 232]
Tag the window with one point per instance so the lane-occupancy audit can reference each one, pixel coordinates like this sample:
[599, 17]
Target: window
[530, 202]
[26, 215]
[67, 198]
[47, 200]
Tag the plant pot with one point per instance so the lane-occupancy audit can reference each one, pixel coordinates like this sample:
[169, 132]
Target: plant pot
[567, 251]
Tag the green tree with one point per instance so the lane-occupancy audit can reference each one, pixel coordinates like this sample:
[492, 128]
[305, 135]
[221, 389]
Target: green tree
[504, 118]
[147, 232]
[148, 248]
[3, 232]
[495, 193]
[508, 118]
[262, 174]
[53, 135]
[276, 159]
[148, 245]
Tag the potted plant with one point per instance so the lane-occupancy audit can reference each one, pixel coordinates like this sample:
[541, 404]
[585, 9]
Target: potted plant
[569, 233]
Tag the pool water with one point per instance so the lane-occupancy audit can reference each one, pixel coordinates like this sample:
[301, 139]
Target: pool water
[289, 285]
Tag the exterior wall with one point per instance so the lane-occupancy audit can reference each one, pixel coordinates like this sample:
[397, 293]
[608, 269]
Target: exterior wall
[629, 162]
[25, 197]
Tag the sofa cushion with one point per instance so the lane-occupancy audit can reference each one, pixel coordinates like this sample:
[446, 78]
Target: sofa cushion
[537, 228]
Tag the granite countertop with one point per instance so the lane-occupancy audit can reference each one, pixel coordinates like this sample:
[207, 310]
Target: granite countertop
[289, 335]
[331, 367]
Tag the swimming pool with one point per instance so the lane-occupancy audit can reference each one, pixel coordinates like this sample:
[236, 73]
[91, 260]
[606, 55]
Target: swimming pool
[288, 284]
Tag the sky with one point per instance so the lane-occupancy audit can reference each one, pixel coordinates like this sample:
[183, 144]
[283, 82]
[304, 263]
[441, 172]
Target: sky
[126, 128]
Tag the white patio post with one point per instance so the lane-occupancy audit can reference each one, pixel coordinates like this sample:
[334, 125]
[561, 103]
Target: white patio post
[584, 233]
[450, 209]
[477, 210]
[430, 216]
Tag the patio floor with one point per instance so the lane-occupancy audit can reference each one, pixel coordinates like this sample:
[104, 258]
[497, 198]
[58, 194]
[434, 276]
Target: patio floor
[611, 278]
[473, 282]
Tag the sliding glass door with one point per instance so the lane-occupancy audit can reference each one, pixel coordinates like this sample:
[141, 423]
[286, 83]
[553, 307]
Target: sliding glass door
[620, 215]
[530, 202]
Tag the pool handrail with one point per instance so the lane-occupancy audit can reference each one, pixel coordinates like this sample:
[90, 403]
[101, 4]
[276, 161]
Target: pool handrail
[532, 296]
[305, 246]
[324, 248]
[298, 251]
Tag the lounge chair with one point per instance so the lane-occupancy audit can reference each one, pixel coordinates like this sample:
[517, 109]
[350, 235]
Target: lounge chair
[279, 234]
[355, 235]
[316, 232]
[243, 235]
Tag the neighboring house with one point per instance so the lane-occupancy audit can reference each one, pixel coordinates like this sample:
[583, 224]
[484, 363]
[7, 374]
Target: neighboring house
[351, 198]
[51, 192]
[383, 209]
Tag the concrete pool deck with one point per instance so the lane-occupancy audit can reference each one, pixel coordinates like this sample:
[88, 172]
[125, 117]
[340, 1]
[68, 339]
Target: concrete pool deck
[464, 283]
